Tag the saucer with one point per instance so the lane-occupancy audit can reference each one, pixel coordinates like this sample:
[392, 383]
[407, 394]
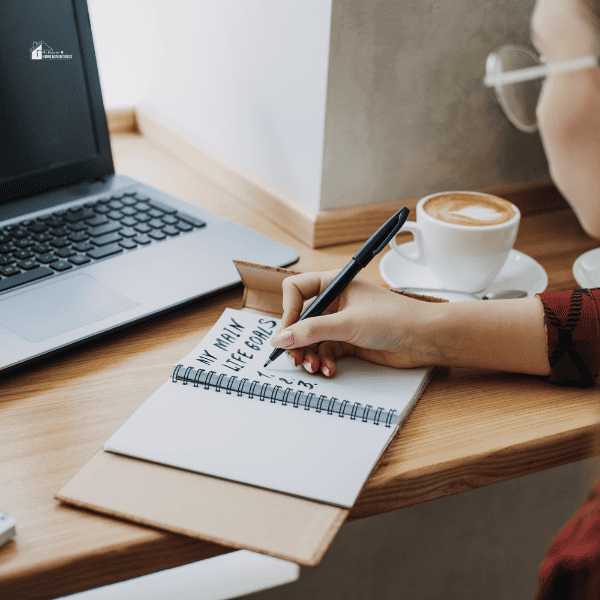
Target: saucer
[586, 269]
[520, 272]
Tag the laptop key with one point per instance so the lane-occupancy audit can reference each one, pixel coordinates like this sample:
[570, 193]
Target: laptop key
[170, 230]
[45, 236]
[103, 229]
[103, 251]
[97, 220]
[191, 220]
[183, 226]
[127, 244]
[24, 243]
[25, 277]
[46, 258]
[27, 265]
[78, 236]
[142, 238]
[157, 234]
[160, 206]
[83, 246]
[109, 238]
[41, 248]
[128, 232]
[64, 252]
[9, 271]
[60, 242]
[61, 265]
[37, 227]
[79, 259]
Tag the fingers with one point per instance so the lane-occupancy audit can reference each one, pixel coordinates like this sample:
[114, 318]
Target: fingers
[311, 331]
[299, 288]
[323, 358]
[329, 352]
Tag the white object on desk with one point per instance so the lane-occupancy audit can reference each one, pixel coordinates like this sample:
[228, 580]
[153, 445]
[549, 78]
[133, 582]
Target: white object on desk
[586, 269]
[520, 272]
[8, 528]
[227, 576]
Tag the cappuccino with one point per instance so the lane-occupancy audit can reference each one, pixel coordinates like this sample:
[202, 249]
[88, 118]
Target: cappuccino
[475, 210]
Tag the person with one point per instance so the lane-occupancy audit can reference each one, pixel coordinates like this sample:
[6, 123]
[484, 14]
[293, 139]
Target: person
[552, 334]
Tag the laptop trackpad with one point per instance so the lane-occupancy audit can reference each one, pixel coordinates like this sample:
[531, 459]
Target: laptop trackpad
[49, 310]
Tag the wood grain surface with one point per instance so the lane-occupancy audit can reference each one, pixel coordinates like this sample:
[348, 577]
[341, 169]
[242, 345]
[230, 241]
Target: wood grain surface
[469, 429]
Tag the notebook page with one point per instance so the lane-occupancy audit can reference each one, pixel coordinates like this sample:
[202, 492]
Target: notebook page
[291, 450]
[238, 344]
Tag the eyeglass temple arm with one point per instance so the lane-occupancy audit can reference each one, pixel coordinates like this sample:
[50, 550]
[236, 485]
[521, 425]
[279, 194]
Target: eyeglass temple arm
[529, 73]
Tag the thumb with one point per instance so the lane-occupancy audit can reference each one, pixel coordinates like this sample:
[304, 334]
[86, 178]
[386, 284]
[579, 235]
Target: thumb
[311, 331]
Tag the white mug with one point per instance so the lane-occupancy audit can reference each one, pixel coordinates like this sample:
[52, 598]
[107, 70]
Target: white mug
[460, 257]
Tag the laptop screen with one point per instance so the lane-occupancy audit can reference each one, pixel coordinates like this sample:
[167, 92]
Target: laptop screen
[52, 122]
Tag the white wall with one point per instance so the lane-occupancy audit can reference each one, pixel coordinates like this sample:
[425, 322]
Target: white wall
[246, 81]
[127, 39]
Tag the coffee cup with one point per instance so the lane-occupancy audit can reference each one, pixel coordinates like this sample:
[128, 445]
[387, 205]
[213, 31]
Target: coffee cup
[462, 238]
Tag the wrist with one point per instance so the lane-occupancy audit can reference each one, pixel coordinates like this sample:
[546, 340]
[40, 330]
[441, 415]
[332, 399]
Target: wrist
[502, 335]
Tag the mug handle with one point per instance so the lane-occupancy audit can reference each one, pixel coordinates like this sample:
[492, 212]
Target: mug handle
[418, 256]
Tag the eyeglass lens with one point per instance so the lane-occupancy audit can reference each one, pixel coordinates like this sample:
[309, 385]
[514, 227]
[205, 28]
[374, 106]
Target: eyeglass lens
[517, 101]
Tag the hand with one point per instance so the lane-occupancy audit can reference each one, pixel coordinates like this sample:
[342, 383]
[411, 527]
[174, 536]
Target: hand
[366, 320]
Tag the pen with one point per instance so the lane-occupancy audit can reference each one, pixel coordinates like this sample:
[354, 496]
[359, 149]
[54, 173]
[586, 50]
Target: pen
[372, 247]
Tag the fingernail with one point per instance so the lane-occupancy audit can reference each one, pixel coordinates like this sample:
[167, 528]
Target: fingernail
[308, 366]
[326, 371]
[327, 368]
[283, 339]
[292, 358]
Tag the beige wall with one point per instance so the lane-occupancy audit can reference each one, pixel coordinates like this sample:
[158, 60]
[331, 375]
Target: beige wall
[334, 104]
[407, 113]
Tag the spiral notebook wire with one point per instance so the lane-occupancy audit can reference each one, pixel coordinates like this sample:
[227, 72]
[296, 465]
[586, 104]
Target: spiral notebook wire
[266, 392]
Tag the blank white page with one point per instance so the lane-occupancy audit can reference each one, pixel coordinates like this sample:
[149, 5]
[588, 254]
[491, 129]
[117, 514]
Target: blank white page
[292, 450]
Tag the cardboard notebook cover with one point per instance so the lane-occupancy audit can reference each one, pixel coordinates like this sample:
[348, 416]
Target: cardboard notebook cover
[217, 510]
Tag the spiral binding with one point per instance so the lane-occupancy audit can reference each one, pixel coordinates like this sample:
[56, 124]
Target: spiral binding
[285, 396]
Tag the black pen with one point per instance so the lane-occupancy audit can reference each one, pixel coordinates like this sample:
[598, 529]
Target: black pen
[372, 247]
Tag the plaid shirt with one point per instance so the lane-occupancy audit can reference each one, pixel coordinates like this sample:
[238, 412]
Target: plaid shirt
[571, 569]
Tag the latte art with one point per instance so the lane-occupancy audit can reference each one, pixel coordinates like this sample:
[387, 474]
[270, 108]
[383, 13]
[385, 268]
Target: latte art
[469, 209]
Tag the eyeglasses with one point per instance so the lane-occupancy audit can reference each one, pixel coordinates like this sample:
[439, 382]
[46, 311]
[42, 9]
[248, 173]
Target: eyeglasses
[514, 73]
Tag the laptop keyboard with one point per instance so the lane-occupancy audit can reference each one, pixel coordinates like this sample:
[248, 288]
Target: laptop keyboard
[67, 239]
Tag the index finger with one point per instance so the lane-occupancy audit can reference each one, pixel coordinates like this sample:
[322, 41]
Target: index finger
[299, 288]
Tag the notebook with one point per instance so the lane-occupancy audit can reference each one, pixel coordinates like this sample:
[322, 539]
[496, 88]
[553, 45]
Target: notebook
[84, 250]
[280, 428]
[225, 511]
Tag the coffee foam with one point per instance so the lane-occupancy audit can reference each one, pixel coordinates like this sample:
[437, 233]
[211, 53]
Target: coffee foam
[469, 209]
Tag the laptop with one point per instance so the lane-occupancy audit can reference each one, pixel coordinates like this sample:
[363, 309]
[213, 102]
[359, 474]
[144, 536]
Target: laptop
[83, 250]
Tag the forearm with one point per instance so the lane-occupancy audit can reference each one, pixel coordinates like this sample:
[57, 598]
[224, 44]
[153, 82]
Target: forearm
[503, 335]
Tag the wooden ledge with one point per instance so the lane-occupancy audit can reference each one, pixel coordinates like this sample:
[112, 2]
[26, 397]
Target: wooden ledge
[122, 121]
[316, 229]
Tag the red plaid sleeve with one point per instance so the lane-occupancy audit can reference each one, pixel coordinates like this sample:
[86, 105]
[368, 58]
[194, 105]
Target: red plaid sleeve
[573, 335]
[571, 569]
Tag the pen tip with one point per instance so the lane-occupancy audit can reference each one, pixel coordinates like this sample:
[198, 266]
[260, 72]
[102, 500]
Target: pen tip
[267, 364]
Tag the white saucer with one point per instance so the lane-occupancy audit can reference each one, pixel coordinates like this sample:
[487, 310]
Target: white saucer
[586, 269]
[520, 272]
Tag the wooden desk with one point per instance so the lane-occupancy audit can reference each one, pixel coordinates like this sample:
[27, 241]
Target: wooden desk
[469, 428]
